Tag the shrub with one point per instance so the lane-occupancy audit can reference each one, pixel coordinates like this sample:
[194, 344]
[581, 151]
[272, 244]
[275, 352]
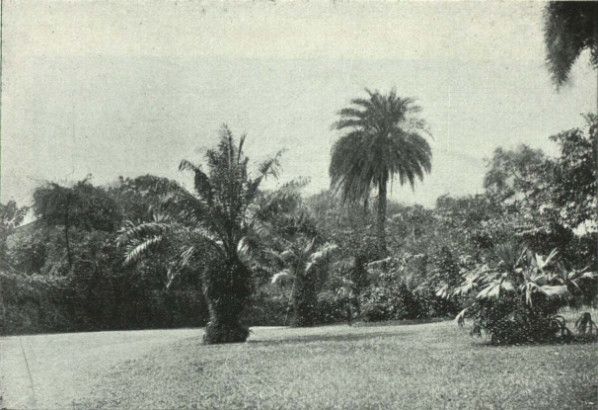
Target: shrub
[392, 302]
[430, 305]
[267, 310]
[334, 308]
[516, 296]
[31, 304]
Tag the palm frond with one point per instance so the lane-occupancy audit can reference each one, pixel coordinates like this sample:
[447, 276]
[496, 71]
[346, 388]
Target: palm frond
[142, 231]
[282, 276]
[134, 255]
[320, 256]
[201, 180]
[569, 28]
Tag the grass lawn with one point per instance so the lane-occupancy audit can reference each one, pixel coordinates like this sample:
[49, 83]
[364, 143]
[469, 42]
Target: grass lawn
[427, 366]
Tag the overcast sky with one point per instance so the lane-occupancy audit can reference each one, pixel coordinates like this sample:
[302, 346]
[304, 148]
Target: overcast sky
[128, 88]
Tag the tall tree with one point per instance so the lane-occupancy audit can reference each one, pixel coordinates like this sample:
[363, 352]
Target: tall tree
[384, 137]
[207, 232]
[569, 28]
[52, 204]
[84, 206]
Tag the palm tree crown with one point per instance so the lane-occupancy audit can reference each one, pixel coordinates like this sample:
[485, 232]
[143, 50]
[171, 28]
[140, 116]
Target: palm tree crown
[569, 28]
[384, 137]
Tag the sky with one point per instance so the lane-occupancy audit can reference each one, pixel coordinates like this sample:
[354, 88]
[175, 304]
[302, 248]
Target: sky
[131, 88]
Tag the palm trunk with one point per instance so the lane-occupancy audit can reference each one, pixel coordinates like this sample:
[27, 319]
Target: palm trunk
[381, 216]
[227, 287]
[305, 301]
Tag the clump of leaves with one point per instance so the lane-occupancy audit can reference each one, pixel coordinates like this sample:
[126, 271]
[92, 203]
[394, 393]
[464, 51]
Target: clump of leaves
[389, 297]
[516, 296]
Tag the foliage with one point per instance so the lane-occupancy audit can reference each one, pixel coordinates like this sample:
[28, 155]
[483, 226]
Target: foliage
[140, 198]
[388, 297]
[574, 187]
[292, 252]
[11, 217]
[301, 260]
[516, 296]
[519, 181]
[385, 138]
[214, 224]
[27, 251]
[569, 28]
[31, 304]
[349, 227]
[82, 206]
[38, 303]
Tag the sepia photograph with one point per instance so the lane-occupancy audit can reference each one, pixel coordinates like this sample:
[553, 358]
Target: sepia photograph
[298, 204]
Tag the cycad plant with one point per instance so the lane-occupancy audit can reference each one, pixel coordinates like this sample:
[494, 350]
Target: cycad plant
[384, 137]
[205, 232]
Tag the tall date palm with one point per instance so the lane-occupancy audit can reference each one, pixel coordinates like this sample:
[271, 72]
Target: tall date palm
[383, 137]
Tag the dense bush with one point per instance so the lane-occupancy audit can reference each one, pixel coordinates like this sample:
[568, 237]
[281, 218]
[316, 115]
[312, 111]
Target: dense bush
[516, 296]
[388, 303]
[33, 304]
[430, 305]
[37, 303]
[391, 297]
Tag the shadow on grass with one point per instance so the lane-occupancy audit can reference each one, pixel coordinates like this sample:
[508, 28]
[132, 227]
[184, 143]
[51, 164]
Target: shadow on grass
[401, 322]
[557, 341]
[323, 338]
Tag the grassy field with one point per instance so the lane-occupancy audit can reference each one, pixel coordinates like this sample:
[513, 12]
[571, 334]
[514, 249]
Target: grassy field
[425, 366]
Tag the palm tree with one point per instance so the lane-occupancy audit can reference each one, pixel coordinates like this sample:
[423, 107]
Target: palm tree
[207, 231]
[301, 260]
[297, 255]
[569, 28]
[384, 138]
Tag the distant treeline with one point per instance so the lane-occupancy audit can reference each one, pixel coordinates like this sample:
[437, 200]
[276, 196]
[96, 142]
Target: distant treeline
[68, 270]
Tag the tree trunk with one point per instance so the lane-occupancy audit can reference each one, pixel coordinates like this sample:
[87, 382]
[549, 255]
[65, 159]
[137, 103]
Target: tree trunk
[592, 140]
[381, 217]
[227, 287]
[595, 140]
[305, 301]
[66, 235]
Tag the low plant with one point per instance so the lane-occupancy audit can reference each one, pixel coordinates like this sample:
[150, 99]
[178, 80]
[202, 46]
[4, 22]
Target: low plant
[388, 297]
[515, 297]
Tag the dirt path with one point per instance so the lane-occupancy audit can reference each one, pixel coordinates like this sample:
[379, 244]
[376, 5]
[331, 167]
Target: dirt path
[53, 371]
